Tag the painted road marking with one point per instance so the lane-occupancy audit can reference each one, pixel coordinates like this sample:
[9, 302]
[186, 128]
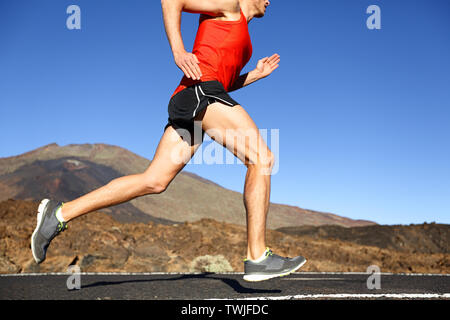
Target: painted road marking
[352, 296]
[219, 273]
[313, 279]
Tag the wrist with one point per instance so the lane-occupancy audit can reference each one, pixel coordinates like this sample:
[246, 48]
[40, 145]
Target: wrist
[177, 52]
[255, 75]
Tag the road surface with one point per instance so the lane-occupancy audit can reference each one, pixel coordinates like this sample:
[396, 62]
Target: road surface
[157, 286]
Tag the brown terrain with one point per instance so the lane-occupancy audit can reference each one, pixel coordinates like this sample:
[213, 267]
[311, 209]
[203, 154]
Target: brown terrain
[195, 225]
[99, 243]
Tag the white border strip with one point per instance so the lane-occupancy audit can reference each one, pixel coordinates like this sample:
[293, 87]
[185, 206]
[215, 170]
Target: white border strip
[207, 95]
[352, 296]
[198, 103]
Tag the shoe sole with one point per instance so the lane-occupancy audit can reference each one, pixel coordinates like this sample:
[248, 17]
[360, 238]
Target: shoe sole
[40, 214]
[262, 277]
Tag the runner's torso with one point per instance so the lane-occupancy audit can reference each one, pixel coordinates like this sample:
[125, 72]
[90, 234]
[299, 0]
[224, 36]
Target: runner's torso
[223, 48]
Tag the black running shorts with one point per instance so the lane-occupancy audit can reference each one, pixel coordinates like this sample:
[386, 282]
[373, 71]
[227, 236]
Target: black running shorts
[189, 102]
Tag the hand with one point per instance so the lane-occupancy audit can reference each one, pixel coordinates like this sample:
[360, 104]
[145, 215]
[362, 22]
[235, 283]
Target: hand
[266, 65]
[188, 63]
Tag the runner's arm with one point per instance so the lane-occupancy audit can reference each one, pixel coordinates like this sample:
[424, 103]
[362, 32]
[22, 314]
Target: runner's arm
[264, 67]
[186, 61]
[210, 7]
[244, 80]
[172, 9]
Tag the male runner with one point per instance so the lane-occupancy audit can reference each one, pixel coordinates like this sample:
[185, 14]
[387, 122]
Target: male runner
[222, 48]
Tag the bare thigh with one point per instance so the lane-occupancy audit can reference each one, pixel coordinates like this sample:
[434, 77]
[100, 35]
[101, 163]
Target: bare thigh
[234, 129]
[171, 155]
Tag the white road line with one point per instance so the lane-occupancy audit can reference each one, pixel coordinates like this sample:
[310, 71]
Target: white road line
[220, 273]
[352, 296]
[313, 279]
[381, 273]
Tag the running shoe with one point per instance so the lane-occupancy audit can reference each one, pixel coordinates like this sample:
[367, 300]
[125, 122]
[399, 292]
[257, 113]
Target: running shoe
[271, 267]
[48, 227]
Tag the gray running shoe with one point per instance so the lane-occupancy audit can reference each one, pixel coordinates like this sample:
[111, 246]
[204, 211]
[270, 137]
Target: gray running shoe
[48, 227]
[271, 267]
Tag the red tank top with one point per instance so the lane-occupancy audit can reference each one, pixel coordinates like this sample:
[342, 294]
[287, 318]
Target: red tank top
[223, 48]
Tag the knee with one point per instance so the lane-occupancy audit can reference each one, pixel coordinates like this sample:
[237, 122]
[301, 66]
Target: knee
[269, 160]
[264, 161]
[153, 185]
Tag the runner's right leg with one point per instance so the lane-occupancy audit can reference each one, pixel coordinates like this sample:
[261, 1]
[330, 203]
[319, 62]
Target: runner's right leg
[170, 157]
[172, 154]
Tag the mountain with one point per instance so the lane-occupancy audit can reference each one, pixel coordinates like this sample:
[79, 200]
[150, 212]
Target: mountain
[66, 172]
[99, 243]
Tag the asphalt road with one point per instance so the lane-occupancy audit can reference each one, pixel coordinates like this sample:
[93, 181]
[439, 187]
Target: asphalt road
[303, 285]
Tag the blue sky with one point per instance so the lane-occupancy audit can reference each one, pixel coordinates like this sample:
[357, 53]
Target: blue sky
[363, 115]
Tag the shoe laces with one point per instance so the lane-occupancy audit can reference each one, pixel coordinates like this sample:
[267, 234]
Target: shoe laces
[269, 252]
[61, 226]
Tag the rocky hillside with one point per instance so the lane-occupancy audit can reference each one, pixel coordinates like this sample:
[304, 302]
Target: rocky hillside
[98, 243]
[423, 238]
[67, 172]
